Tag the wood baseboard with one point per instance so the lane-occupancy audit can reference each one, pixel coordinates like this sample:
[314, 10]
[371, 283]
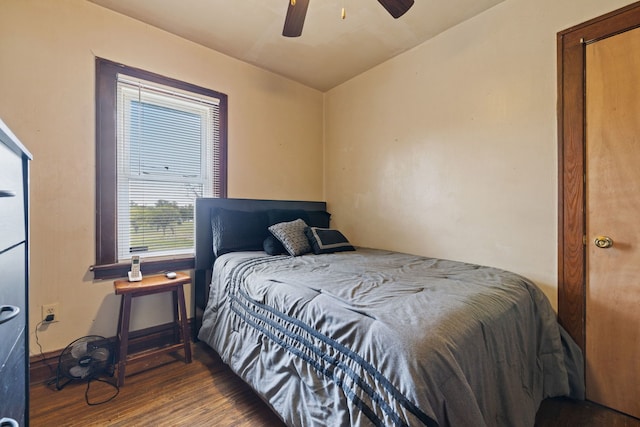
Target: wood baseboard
[43, 366]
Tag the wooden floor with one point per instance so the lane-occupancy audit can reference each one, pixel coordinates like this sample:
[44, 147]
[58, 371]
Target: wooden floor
[207, 393]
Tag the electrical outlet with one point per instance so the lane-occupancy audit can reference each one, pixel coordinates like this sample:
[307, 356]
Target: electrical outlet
[51, 313]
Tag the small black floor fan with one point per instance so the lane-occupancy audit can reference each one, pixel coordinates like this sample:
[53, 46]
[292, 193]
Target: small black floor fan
[85, 359]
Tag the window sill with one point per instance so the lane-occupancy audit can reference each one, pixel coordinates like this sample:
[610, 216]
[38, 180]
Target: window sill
[114, 271]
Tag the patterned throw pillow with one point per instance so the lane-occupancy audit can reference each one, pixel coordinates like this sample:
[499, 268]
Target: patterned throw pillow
[291, 235]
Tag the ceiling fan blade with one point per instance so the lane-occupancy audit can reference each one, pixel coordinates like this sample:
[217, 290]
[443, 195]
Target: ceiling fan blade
[396, 8]
[295, 18]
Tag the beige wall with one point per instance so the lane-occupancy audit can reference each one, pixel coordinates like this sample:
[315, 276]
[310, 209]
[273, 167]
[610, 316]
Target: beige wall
[47, 51]
[450, 150]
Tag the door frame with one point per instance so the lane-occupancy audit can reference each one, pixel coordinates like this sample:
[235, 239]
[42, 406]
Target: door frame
[571, 162]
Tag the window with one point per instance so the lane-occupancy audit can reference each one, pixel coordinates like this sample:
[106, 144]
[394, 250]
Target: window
[160, 144]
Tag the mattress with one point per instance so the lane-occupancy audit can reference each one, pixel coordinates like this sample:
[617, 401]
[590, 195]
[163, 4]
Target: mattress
[374, 337]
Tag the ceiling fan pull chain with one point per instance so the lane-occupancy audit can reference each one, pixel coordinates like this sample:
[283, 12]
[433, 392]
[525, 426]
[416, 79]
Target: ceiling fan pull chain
[293, 2]
[343, 14]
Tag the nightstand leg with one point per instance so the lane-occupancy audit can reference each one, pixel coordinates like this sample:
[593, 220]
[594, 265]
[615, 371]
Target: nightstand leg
[177, 325]
[123, 336]
[186, 337]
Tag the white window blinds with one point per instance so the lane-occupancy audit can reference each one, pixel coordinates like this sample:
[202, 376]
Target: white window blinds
[167, 154]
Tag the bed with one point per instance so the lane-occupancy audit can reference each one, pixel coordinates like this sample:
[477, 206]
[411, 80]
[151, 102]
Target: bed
[372, 337]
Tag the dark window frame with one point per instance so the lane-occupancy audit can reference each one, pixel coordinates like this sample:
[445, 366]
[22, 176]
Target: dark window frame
[106, 265]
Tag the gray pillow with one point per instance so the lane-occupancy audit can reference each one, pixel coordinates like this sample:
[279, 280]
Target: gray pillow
[291, 235]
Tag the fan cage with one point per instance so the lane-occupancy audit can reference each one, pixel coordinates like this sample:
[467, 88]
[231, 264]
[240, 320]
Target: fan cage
[85, 359]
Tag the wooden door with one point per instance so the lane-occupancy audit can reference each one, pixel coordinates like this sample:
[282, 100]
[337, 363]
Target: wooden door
[612, 164]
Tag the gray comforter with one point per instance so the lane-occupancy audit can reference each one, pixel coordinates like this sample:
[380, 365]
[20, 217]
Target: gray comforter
[381, 338]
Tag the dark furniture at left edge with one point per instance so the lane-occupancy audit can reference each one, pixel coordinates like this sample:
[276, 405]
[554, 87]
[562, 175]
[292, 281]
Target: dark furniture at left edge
[14, 268]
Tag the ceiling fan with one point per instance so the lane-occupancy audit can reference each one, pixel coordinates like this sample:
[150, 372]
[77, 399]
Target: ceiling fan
[297, 11]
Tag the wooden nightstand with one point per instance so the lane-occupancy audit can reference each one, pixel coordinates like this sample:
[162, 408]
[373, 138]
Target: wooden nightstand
[152, 285]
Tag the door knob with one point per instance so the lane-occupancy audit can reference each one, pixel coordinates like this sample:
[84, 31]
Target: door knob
[603, 242]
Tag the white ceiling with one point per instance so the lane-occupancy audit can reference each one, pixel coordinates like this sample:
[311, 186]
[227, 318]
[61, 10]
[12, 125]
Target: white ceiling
[330, 50]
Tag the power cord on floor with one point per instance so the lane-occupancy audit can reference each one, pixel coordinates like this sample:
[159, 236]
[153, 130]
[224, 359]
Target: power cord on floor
[86, 393]
[52, 376]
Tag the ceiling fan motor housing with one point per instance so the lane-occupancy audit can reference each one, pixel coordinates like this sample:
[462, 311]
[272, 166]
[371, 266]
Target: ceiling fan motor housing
[297, 12]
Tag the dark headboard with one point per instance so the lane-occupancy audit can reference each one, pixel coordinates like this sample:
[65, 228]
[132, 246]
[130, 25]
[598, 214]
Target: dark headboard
[204, 239]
